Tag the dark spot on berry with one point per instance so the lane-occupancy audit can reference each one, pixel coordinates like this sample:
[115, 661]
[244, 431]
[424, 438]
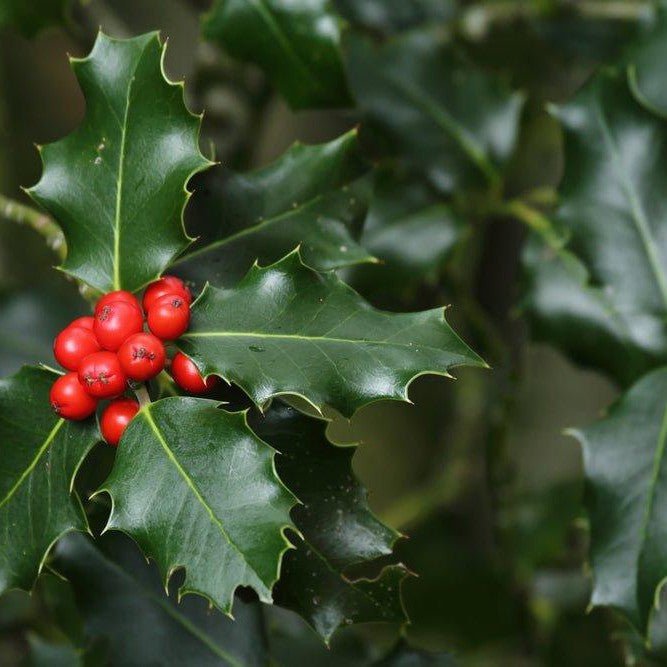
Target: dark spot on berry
[104, 314]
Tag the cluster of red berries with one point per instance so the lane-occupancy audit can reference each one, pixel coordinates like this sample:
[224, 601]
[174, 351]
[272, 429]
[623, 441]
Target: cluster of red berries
[103, 352]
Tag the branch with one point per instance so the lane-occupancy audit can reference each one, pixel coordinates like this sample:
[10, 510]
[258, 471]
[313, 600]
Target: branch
[40, 222]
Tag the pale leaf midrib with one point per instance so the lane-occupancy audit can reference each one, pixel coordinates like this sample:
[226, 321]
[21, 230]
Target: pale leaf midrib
[254, 228]
[414, 347]
[119, 181]
[28, 471]
[193, 487]
[446, 122]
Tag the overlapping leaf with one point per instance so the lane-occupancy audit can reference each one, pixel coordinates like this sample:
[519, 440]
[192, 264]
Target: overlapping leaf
[39, 457]
[309, 197]
[197, 489]
[122, 600]
[116, 185]
[450, 119]
[296, 44]
[309, 334]
[613, 209]
[337, 526]
[626, 470]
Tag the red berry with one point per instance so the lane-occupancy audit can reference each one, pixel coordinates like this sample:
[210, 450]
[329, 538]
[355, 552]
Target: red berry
[115, 418]
[166, 285]
[101, 375]
[85, 322]
[118, 295]
[189, 378]
[70, 400]
[72, 345]
[115, 322]
[142, 356]
[169, 316]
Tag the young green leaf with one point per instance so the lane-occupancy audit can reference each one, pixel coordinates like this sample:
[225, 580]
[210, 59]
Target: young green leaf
[297, 45]
[310, 197]
[197, 489]
[311, 335]
[39, 457]
[337, 526]
[116, 185]
[444, 116]
[626, 471]
[121, 599]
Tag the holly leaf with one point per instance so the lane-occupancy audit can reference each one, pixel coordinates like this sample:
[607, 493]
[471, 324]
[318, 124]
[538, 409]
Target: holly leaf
[309, 197]
[39, 458]
[441, 114]
[116, 185]
[191, 480]
[613, 216]
[31, 17]
[311, 335]
[122, 600]
[626, 472]
[296, 44]
[337, 527]
[564, 309]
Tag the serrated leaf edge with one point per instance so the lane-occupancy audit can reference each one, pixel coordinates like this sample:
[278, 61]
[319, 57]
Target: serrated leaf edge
[183, 590]
[206, 163]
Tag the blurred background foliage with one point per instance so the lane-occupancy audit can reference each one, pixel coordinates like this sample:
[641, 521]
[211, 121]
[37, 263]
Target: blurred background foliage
[477, 472]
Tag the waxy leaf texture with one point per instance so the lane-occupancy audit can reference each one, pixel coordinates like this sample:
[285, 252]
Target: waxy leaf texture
[336, 525]
[197, 489]
[116, 185]
[310, 197]
[285, 329]
[39, 458]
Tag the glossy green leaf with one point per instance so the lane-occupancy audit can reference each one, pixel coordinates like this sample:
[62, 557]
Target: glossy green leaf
[390, 16]
[297, 45]
[410, 229]
[611, 208]
[308, 197]
[310, 334]
[116, 185]
[191, 480]
[39, 457]
[564, 309]
[31, 17]
[626, 471]
[328, 601]
[444, 116]
[122, 600]
[337, 527]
